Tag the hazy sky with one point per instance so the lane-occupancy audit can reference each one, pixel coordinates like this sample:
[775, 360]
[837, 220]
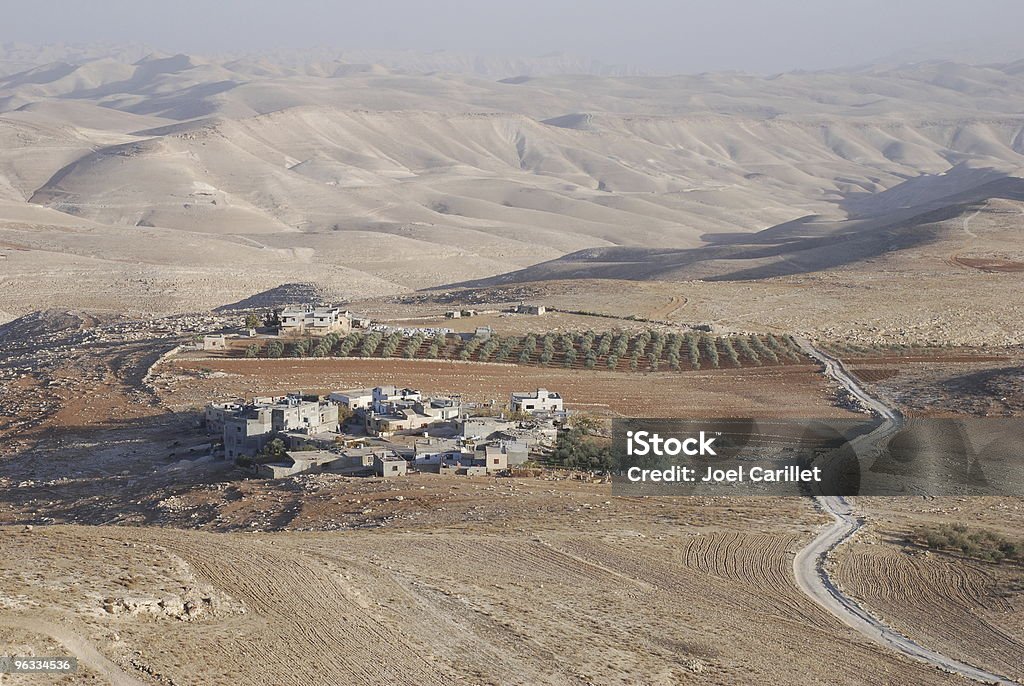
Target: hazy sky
[659, 35]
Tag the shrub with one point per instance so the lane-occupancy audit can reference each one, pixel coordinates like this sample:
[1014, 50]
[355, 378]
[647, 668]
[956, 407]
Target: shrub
[978, 543]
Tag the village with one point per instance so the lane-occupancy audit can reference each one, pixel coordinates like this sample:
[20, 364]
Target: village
[385, 431]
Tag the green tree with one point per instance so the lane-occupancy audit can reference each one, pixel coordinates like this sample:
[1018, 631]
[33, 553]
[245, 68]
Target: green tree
[574, 450]
[275, 349]
[272, 452]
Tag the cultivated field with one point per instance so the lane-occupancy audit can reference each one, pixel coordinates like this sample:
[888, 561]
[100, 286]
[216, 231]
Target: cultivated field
[520, 583]
[981, 603]
[649, 350]
[722, 392]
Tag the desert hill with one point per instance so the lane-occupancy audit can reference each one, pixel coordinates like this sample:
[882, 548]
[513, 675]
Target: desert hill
[194, 181]
[799, 247]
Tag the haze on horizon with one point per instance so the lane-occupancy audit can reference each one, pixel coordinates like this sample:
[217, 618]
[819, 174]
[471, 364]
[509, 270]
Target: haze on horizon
[657, 36]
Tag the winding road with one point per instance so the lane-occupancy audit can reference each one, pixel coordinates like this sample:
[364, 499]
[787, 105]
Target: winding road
[810, 564]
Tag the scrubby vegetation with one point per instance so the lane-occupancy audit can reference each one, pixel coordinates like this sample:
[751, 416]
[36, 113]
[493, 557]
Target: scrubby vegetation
[977, 543]
[574, 449]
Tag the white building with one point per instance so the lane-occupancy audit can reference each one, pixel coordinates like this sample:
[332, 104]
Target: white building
[541, 400]
[387, 399]
[353, 398]
[436, 451]
[215, 342]
[313, 321]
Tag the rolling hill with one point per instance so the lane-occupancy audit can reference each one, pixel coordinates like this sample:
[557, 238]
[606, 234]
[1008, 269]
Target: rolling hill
[374, 179]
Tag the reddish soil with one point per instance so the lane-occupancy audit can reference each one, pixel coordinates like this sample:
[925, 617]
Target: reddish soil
[789, 390]
[989, 264]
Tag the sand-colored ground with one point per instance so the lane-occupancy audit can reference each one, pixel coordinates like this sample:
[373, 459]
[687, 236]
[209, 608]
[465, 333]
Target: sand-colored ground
[529, 583]
[179, 183]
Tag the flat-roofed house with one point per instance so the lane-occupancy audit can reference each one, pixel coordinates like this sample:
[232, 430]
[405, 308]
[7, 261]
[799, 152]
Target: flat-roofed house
[541, 400]
[441, 409]
[215, 414]
[388, 398]
[313, 321]
[247, 432]
[354, 398]
[495, 458]
[298, 462]
[389, 465]
[251, 427]
[215, 342]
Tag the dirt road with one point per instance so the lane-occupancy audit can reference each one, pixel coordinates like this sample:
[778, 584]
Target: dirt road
[810, 564]
[77, 646]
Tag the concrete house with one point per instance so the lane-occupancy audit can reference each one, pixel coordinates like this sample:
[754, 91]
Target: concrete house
[215, 342]
[313, 321]
[298, 462]
[247, 432]
[495, 458]
[440, 409]
[389, 465]
[298, 414]
[537, 310]
[355, 399]
[388, 398]
[482, 428]
[541, 400]
[436, 451]
[390, 423]
[500, 455]
[215, 414]
[251, 427]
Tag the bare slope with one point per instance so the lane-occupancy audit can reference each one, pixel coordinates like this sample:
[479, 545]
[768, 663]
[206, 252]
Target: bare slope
[799, 247]
[368, 180]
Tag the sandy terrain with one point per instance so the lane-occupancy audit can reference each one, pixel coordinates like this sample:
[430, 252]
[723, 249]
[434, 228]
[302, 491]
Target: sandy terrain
[862, 209]
[178, 183]
[498, 600]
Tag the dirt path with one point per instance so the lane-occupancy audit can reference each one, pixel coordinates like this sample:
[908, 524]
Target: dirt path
[810, 564]
[967, 221]
[78, 646]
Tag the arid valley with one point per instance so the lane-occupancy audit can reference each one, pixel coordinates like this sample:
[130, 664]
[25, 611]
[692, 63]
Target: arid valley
[833, 244]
